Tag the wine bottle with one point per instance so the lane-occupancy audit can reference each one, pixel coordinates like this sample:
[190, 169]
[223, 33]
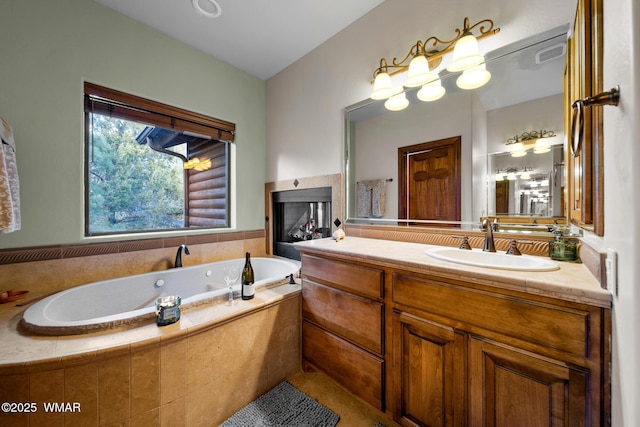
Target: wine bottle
[248, 291]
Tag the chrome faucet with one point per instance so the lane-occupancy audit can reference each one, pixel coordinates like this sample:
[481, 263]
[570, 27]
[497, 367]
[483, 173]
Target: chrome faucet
[178, 262]
[489, 228]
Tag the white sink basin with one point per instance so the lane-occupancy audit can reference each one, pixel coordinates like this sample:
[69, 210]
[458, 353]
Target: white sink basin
[498, 260]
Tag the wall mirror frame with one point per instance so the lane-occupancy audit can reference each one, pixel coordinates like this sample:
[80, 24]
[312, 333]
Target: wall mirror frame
[583, 78]
[525, 74]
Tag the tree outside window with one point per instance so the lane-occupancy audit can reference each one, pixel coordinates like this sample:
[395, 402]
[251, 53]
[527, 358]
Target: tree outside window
[147, 170]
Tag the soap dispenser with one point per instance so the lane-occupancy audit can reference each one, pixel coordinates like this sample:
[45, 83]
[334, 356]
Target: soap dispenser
[563, 248]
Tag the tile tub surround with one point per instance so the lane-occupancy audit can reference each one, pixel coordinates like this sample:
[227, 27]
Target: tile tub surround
[37, 270]
[196, 372]
[572, 282]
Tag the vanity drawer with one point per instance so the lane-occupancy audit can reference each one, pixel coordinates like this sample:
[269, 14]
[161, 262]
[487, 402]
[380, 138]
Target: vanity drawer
[355, 369]
[355, 318]
[552, 326]
[354, 278]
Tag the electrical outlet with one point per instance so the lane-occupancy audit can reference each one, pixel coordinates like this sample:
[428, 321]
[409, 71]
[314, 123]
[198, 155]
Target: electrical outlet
[611, 267]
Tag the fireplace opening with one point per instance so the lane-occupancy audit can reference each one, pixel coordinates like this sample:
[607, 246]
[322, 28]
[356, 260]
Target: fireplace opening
[300, 215]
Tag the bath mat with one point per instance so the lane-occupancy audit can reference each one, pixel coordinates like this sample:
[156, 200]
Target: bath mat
[283, 406]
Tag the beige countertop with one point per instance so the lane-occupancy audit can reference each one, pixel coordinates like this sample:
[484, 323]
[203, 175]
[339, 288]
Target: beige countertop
[571, 282]
[21, 350]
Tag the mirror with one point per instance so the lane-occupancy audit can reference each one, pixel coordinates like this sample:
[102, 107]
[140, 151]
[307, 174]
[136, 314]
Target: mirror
[527, 187]
[524, 94]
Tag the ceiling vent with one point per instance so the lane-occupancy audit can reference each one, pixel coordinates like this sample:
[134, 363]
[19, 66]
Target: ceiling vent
[550, 53]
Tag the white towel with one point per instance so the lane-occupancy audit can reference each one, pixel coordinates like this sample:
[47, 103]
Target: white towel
[9, 186]
[372, 198]
[363, 199]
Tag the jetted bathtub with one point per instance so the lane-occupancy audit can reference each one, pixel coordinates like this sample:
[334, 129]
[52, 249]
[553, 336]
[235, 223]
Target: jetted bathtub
[127, 300]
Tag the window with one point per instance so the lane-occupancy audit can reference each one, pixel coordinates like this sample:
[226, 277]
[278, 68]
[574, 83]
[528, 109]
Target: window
[152, 167]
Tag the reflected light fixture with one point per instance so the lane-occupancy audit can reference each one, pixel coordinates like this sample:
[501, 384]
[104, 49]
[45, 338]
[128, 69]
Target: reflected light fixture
[421, 62]
[397, 102]
[197, 164]
[513, 173]
[541, 147]
[431, 91]
[517, 150]
[473, 78]
[520, 144]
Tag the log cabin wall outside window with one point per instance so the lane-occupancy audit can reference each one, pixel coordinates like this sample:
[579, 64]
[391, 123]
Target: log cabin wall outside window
[152, 167]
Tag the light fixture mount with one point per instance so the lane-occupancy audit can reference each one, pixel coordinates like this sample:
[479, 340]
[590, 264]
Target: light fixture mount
[530, 136]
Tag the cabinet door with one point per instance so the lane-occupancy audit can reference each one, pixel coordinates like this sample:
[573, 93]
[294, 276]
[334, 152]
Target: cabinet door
[509, 387]
[429, 370]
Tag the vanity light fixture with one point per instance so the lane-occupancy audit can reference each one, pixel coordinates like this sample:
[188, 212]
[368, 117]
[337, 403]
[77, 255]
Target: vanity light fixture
[465, 53]
[421, 61]
[520, 144]
[382, 88]
[512, 173]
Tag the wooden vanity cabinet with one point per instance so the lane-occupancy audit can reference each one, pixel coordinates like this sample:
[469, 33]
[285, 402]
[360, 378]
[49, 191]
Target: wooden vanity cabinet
[471, 355]
[343, 325]
[429, 350]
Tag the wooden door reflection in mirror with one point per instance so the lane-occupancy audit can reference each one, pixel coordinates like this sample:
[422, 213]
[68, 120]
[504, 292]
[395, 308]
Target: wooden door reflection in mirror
[429, 180]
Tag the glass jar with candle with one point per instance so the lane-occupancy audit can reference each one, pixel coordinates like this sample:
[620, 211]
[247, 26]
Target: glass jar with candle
[168, 310]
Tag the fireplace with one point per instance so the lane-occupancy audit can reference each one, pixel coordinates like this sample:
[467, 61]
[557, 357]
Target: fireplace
[299, 215]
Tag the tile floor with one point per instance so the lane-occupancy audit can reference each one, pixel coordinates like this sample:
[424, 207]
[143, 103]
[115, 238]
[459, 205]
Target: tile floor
[353, 413]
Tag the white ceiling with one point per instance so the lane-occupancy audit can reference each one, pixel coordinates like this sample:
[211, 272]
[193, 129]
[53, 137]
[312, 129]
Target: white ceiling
[261, 37]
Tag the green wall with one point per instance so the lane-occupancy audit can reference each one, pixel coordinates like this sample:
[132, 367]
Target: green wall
[49, 48]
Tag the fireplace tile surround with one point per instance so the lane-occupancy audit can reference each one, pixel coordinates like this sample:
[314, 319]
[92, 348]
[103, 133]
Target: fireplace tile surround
[333, 181]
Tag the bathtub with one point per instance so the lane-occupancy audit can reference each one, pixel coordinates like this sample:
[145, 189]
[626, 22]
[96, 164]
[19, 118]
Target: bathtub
[128, 300]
